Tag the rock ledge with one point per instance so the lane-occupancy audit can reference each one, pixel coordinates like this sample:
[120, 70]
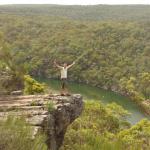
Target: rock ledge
[53, 121]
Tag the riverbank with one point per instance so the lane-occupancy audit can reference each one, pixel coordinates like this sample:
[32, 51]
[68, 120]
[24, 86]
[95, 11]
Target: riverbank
[105, 96]
[144, 105]
[102, 127]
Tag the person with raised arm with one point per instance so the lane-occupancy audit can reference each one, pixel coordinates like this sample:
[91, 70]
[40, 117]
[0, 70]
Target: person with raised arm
[63, 76]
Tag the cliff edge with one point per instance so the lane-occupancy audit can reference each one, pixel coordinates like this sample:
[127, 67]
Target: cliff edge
[51, 114]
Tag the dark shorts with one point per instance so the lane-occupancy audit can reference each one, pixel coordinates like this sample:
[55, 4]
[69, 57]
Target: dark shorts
[63, 83]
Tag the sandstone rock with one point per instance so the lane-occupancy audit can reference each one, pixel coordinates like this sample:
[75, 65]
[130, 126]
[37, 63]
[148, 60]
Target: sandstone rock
[34, 108]
[17, 92]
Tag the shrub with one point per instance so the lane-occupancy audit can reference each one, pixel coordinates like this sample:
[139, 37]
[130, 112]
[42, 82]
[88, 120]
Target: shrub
[31, 86]
[89, 131]
[137, 136]
[16, 134]
[102, 128]
[50, 106]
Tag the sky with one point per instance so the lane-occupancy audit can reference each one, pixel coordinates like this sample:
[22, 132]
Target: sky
[76, 2]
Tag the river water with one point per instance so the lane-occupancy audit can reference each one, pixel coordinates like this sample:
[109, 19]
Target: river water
[105, 96]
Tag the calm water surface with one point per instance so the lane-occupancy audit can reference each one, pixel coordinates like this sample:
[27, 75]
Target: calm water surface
[105, 96]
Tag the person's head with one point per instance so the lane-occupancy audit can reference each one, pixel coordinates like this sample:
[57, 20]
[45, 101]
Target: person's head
[65, 65]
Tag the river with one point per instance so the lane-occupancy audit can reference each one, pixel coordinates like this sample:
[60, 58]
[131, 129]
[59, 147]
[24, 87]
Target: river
[105, 96]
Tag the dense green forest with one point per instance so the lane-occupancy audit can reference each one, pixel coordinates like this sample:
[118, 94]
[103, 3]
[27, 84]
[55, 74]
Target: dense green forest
[114, 42]
[117, 53]
[105, 128]
[97, 12]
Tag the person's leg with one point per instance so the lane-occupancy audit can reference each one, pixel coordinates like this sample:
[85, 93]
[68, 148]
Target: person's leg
[66, 87]
[62, 86]
[65, 84]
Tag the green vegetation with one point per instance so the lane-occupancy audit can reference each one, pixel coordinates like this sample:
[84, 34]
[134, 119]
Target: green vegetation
[11, 75]
[115, 41]
[90, 13]
[116, 53]
[31, 86]
[16, 134]
[134, 85]
[104, 128]
[106, 96]
[138, 136]
[50, 106]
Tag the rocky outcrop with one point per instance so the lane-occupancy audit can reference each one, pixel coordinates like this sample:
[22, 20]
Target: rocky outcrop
[51, 114]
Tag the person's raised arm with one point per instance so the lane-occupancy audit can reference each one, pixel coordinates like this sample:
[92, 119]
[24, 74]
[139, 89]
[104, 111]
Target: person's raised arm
[71, 65]
[57, 65]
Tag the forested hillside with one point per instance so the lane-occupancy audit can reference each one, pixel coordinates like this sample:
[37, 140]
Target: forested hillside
[105, 128]
[97, 12]
[117, 53]
[111, 47]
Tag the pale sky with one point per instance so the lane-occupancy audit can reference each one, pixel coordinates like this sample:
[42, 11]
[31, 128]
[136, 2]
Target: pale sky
[77, 2]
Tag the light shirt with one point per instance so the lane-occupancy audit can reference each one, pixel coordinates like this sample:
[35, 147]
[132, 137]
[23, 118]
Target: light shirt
[63, 72]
